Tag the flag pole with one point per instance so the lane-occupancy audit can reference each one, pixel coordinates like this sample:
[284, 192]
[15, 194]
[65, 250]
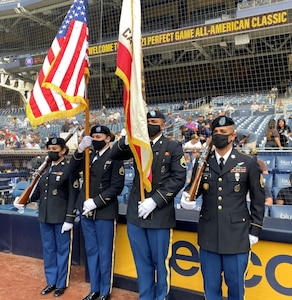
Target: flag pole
[142, 191]
[87, 162]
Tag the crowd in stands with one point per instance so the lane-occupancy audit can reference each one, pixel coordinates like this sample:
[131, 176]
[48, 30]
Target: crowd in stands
[188, 126]
[180, 124]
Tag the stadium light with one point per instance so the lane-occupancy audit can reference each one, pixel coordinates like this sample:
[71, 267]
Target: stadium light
[242, 39]
[223, 44]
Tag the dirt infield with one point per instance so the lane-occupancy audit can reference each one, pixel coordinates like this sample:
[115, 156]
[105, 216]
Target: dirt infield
[23, 278]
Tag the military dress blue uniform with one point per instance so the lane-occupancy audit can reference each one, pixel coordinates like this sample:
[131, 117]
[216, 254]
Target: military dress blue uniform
[151, 238]
[225, 222]
[106, 183]
[56, 191]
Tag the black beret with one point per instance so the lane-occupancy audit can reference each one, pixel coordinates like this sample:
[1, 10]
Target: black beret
[56, 141]
[155, 114]
[221, 122]
[100, 129]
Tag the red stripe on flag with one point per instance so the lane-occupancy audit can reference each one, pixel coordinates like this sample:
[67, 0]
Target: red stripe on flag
[34, 107]
[124, 59]
[71, 61]
[60, 88]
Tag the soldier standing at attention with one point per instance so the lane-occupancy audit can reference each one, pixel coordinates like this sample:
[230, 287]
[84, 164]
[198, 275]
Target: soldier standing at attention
[226, 229]
[150, 223]
[56, 191]
[100, 211]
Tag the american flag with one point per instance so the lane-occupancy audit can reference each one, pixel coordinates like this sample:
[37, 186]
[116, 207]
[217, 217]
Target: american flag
[130, 70]
[59, 90]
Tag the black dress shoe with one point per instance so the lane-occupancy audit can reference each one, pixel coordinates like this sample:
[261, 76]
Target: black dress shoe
[106, 297]
[49, 288]
[91, 296]
[59, 292]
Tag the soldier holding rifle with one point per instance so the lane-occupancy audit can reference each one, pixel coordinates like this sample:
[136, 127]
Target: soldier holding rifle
[56, 191]
[226, 229]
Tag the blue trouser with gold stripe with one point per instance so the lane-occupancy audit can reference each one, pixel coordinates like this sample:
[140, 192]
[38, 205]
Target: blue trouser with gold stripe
[99, 236]
[57, 252]
[233, 266]
[152, 250]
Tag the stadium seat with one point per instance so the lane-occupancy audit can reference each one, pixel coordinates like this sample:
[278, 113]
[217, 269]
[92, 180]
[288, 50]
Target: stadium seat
[19, 188]
[270, 161]
[283, 164]
[129, 176]
[281, 211]
[129, 172]
[177, 198]
[268, 178]
[281, 180]
[267, 211]
[199, 202]
[124, 195]
[275, 191]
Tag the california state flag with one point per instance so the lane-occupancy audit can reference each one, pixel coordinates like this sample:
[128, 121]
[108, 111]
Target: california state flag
[130, 70]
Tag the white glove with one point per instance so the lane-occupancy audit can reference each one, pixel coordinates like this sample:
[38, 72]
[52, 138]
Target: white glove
[146, 207]
[17, 205]
[66, 227]
[253, 239]
[88, 205]
[186, 203]
[85, 143]
[124, 133]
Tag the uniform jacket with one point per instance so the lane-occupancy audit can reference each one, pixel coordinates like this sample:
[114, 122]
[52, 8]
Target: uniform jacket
[225, 221]
[104, 193]
[168, 178]
[56, 191]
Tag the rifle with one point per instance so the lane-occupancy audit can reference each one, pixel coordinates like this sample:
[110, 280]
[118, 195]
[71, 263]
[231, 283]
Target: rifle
[193, 191]
[38, 173]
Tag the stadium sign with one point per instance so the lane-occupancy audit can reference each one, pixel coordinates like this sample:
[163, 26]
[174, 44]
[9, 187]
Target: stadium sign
[32, 60]
[266, 277]
[202, 31]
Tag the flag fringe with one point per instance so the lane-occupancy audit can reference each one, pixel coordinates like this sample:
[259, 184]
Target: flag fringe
[51, 116]
[146, 181]
[71, 99]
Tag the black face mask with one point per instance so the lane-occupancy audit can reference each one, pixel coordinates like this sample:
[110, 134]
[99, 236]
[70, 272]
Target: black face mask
[153, 130]
[53, 155]
[98, 145]
[220, 140]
